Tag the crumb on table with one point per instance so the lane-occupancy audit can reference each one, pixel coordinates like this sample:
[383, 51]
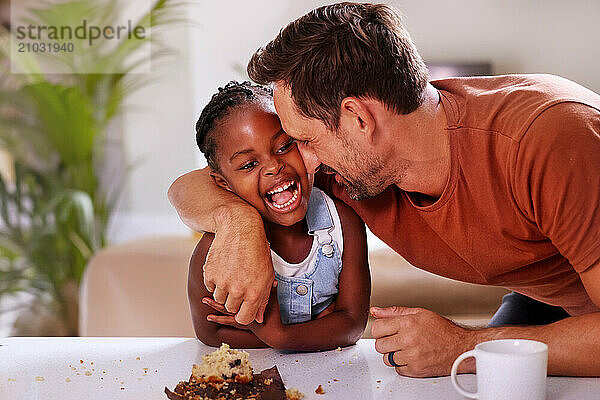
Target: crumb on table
[319, 390]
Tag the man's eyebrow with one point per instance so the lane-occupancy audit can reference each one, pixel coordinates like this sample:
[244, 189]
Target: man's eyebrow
[239, 153]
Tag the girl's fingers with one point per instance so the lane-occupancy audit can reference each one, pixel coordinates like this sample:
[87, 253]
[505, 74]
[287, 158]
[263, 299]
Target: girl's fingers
[216, 306]
[222, 319]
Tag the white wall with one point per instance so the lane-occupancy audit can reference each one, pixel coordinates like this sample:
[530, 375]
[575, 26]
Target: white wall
[553, 36]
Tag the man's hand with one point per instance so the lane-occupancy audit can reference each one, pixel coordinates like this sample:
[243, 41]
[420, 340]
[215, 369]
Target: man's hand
[244, 289]
[238, 269]
[425, 343]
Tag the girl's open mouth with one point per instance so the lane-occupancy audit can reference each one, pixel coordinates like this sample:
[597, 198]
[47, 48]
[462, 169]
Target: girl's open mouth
[284, 197]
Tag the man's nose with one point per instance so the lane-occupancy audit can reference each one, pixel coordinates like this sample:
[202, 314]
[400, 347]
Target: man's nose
[311, 161]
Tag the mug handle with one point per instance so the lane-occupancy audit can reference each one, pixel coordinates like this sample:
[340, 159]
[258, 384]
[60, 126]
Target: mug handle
[461, 358]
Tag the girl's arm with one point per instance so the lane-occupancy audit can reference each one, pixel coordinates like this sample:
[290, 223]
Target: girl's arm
[211, 333]
[346, 324]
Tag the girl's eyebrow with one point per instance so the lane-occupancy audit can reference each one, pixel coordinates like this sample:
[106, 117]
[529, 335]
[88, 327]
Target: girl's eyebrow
[239, 153]
[279, 133]
[246, 151]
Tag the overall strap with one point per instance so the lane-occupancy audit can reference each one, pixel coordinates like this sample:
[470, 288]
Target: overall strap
[318, 216]
[320, 221]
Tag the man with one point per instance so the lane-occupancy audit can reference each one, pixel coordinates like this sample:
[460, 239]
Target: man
[489, 180]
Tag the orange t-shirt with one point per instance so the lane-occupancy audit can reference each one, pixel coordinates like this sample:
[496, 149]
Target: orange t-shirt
[521, 208]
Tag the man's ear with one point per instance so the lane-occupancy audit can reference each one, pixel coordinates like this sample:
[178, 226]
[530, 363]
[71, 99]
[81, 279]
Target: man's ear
[356, 116]
[220, 181]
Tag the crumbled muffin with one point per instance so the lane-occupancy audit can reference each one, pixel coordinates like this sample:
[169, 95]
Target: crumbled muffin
[226, 374]
[294, 394]
[224, 365]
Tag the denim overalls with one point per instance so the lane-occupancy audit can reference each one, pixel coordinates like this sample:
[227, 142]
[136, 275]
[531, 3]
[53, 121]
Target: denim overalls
[303, 297]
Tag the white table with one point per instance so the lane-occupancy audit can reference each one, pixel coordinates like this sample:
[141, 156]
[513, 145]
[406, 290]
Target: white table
[140, 368]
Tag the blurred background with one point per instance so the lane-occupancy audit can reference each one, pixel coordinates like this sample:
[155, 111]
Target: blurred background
[141, 137]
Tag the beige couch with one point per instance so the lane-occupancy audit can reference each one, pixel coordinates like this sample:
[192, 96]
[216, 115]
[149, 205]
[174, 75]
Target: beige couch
[139, 289]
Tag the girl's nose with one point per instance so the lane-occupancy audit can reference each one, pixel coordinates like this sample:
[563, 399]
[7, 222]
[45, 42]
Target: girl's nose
[311, 161]
[274, 167]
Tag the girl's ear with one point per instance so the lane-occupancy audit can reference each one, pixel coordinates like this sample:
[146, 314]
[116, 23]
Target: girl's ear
[220, 181]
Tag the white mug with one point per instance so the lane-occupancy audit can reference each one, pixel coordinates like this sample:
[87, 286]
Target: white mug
[508, 369]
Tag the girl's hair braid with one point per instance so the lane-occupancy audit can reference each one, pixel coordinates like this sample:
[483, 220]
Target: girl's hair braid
[220, 105]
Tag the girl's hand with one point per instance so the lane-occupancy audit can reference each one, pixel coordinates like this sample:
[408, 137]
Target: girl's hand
[272, 322]
[216, 306]
[226, 319]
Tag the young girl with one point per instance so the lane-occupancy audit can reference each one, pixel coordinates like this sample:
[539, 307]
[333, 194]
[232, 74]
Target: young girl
[317, 304]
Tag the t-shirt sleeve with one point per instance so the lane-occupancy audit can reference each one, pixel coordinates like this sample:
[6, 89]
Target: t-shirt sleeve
[557, 180]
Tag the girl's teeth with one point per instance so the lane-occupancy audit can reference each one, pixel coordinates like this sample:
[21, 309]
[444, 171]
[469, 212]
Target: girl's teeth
[287, 203]
[282, 188]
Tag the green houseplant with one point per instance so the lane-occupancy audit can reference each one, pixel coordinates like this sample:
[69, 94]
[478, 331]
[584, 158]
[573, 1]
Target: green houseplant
[54, 211]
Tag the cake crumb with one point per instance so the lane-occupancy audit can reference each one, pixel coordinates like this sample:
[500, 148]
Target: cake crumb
[268, 381]
[293, 394]
[335, 380]
[88, 373]
[39, 378]
[67, 380]
[378, 380]
[224, 364]
[81, 361]
[319, 390]
[137, 358]
[338, 349]
[139, 379]
[12, 380]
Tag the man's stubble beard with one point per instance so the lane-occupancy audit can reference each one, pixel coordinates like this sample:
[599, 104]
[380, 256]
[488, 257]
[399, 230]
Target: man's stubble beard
[370, 178]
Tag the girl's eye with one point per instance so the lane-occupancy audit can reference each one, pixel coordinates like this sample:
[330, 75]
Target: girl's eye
[248, 166]
[286, 146]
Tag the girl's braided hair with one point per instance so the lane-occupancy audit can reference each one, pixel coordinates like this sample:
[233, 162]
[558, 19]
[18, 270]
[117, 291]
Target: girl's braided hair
[220, 105]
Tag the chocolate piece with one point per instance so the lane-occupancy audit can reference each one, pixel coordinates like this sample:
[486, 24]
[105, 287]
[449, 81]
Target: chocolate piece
[267, 385]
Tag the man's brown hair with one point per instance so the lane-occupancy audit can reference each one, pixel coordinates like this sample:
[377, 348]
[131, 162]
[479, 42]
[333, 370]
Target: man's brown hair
[342, 50]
